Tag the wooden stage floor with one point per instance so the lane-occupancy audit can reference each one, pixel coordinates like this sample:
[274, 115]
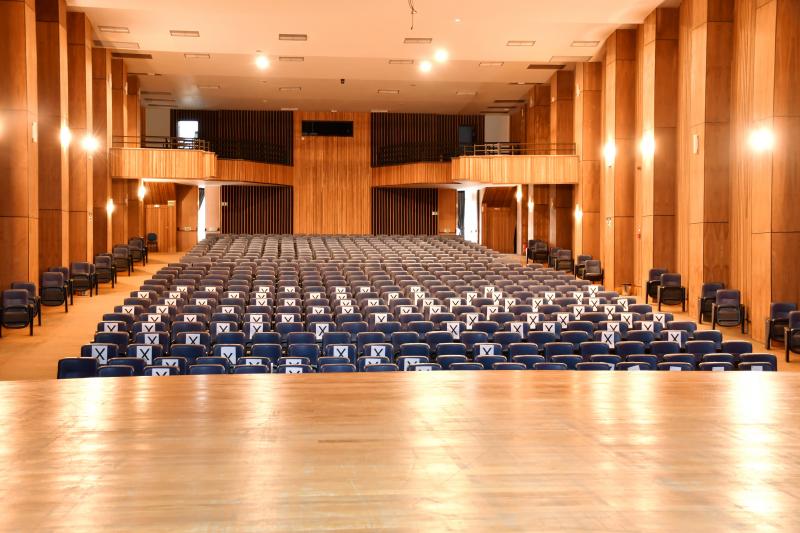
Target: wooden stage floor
[482, 451]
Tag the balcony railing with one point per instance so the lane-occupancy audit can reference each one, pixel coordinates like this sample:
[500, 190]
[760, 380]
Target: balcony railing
[504, 148]
[162, 143]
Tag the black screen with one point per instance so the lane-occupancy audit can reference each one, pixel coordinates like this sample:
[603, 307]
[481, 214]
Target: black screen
[327, 128]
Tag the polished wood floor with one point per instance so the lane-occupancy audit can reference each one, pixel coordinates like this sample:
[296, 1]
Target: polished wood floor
[480, 451]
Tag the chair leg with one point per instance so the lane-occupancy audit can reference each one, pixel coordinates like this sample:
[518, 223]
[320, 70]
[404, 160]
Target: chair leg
[30, 322]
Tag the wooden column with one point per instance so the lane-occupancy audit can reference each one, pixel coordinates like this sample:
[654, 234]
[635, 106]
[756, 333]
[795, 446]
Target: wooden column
[709, 165]
[133, 111]
[563, 210]
[541, 213]
[79, 61]
[19, 204]
[588, 143]
[119, 218]
[447, 219]
[658, 143]
[186, 202]
[213, 208]
[51, 54]
[775, 185]
[119, 98]
[135, 210]
[562, 109]
[538, 117]
[619, 132]
[101, 116]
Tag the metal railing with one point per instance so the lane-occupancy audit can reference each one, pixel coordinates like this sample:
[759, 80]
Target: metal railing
[504, 148]
[163, 143]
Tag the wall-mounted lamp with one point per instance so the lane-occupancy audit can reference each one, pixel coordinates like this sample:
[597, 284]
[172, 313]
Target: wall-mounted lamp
[66, 136]
[610, 153]
[141, 192]
[110, 206]
[578, 213]
[648, 145]
[762, 140]
[90, 143]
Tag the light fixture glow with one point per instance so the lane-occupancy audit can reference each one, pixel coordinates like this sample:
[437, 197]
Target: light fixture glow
[610, 153]
[441, 55]
[530, 205]
[578, 213]
[141, 192]
[90, 143]
[66, 136]
[262, 62]
[457, 20]
[110, 206]
[518, 195]
[648, 145]
[762, 140]
[425, 66]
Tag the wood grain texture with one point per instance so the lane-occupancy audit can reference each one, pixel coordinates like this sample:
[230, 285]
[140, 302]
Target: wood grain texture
[517, 169]
[499, 224]
[332, 178]
[426, 173]
[562, 107]
[593, 465]
[51, 64]
[151, 163]
[538, 120]
[213, 208]
[81, 173]
[447, 221]
[404, 211]
[101, 177]
[588, 141]
[241, 171]
[162, 220]
[133, 110]
[119, 97]
[186, 206]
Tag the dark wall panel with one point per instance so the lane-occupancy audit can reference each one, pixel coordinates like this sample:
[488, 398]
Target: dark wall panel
[399, 138]
[404, 211]
[264, 136]
[253, 209]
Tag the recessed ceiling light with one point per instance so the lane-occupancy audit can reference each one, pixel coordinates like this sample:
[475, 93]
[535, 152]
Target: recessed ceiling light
[290, 89]
[466, 93]
[520, 43]
[388, 91]
[292, 37]
[490, 64]
[457, 20]
[545, 66]
[262, 62]
[288, 109]
[585, 44]
[184, 33]
[131, 55]
[570, 59]
[295, 59]
[425, 65]
[522, 83]
[208, 87]
[117, 45]
[441, 55]
[417, 40]
[197, 56]
[113, 29]
[401, 61]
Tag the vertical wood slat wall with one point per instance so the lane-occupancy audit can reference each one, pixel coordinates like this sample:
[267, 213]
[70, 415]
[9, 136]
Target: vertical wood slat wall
[256, 209]
[241, 127]
[407, 211]
[438, 131]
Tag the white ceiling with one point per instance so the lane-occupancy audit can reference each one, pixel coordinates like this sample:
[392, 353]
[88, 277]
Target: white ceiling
[353, 40]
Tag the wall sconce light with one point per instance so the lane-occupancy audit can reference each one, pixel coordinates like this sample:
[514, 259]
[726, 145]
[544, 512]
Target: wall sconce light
[110, 206]
[141, 192]
[610, 153]
[66, 136]
[648, 145]
[578, 213]
[762, 140]
[90, 143]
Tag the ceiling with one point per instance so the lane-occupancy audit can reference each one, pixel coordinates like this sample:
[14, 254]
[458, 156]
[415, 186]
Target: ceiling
[352, 40]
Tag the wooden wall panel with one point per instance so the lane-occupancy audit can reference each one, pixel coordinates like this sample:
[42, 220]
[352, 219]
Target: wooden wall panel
[426, 173]
[119, 217]
[518, 128]
[264, 136]
[253, 172]
[562, 108]
[19, 203]
[447, 221]
[214, 208]
[186, 207]
[133, 112]
[499, 225]
[135, 210]
[159, 192]
[588, 142]
[256, 209]
[538, 120]
[541, 213]
[517, 169]
[332, 178]
[399, 138]
[51, 62]
[162, 220]
[81, 173]
[404, 211]
[151, 163]
[101, 177]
